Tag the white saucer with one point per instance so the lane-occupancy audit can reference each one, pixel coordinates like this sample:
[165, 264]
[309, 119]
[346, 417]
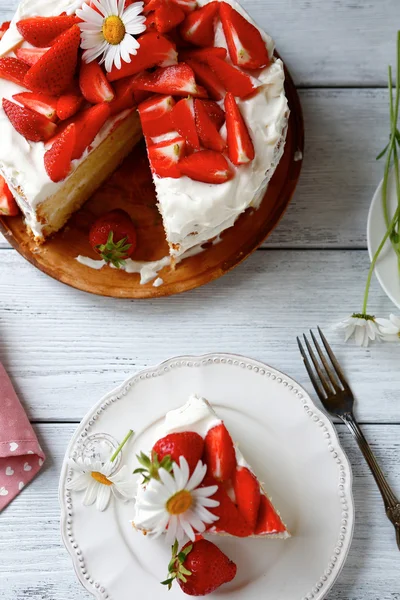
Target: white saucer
[292, 446]
[386, 268]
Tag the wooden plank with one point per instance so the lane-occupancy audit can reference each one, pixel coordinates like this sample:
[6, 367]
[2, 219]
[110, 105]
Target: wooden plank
[345, 130]
[35, 565]
[324, 42]
[65, 349]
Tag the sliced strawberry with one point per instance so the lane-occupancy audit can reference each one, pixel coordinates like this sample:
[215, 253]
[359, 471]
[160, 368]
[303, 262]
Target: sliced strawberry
[183, 119]
[29, 124]
[247, 494]
[151, 6]
[240, 146]
[206, 129]
[13, 69]
[247, 49]
[124, 98]
[154, 50]
[219, 451]
[186, 5]
[88, 124]
[4, 27]
[54, 72]
[198, 27]
[201, 54]
[141, 95]
[230, 519]
[186, 443]
[43, 31]
[68, 105]
[8, 206]
[150, 23]
[215, 112]
[177, 80]
[208, 79]
[165, 156]
[155, 115]
[167, 16]
[30, 56]
[41, 103]
[268, 521]
[57, 160]
[94, 85]
[207, 166]
[233, 79]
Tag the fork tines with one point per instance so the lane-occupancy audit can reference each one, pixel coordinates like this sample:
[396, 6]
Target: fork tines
[330, 379]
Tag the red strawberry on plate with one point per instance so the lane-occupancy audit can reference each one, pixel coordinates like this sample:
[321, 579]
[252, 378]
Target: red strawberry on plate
[88, 124]
[247, 49]
[4, 27]
[68, 105]
[177, 80]
[8, 206]
[167, 16]
[57, 160]
[198, 27]
[43, 31]
[186, 5]
[230, 519]
[206, 166]
[29, 124]
[268, 521]
[187, 443]
[154, 50]
[247, 494]
[94, 84]
[155, 115]
[201, 54]
[206, 129]
[219, 453]
[207, 78]
[240, 146]
[30, 56]
[165, 156]
[54, 71]
[233, 79]
[114, 237]
[41, 103]
[13, 69]
[183, 119]
[215, 112]
[199, 568]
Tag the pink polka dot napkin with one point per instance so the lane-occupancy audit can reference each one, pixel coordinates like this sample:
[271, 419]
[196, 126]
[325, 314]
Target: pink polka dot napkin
[21, 456]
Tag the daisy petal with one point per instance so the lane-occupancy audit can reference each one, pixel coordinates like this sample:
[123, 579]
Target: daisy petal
[167, 479]
[187, 528]
[172, 530]
[197, 477]
[91, 493]
[103, 497]
[80, 483]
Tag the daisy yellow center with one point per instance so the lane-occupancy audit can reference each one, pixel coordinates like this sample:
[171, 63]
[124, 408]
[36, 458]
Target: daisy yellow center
[179, 502]
[101, 478]
[114, 30]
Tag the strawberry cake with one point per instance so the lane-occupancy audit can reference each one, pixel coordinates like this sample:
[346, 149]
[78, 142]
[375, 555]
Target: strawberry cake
[196, 480]
[81, 82]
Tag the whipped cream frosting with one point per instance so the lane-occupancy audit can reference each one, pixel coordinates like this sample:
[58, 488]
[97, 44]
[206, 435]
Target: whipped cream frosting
[195, 212]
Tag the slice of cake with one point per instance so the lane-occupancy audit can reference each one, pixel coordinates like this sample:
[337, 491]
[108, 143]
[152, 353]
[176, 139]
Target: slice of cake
[209, 92]
[196, 480]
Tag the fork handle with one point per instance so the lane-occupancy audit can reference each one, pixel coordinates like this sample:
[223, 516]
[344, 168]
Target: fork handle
[392, 504]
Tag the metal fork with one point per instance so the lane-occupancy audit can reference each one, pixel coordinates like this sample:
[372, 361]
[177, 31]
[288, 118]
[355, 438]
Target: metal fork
[337, 398]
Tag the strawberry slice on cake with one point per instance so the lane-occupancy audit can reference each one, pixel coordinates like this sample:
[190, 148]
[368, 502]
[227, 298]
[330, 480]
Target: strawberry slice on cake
[213, 489]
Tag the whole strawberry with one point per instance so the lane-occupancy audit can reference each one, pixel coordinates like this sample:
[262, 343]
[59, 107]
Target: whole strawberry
[187, 443]
[200, 568]
[113, 236]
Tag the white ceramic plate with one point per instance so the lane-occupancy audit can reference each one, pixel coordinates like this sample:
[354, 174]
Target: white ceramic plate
[291, 444]
[386, 267]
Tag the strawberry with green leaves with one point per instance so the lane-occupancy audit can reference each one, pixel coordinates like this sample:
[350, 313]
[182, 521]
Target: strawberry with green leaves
[199, 568]
[113, 236]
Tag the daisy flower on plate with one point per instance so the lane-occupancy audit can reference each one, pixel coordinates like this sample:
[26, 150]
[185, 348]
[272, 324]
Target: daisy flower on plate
[363, 327]
[389, 329]
[174, 503]
[108, 30]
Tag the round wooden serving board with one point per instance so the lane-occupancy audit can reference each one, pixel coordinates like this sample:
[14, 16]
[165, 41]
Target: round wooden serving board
[131, 189]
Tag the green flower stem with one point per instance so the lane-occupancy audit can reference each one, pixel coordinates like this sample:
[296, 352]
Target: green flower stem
[122, 444]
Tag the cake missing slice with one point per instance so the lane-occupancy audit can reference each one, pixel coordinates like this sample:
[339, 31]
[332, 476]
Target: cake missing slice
[207, 483]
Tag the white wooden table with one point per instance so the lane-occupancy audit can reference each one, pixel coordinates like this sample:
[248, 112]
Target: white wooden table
[64, 349]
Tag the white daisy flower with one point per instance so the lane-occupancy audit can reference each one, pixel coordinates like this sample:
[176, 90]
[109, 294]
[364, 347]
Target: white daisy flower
[363, 327]
[108, 30]
[97, 479]
[389, 329]
[175, 504]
